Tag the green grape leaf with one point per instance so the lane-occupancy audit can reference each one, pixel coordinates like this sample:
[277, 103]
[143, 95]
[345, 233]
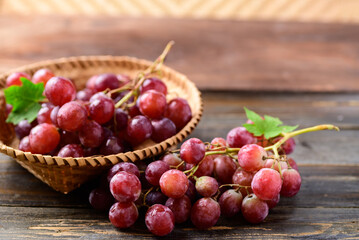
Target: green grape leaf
[24, 100]
[268, 126]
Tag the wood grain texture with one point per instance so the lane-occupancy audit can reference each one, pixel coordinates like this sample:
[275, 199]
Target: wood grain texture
[270, 56]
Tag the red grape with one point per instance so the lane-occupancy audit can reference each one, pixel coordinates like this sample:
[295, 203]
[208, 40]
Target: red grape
[91, 134]
[152, 104]
[101, 109]
[139, 129]
[22, 129]
[122, 166]
[273, 202]
[101, 199]
[156, 198]
[174, 183]
[238, 137]
[162, 129]
[154, 172]
[24, 144]
[153, 84]
[90, 84]
[123, 215]
[207, 186]
[125, 187]
[250, 157]
[120, 119]
[123, 79]
[266, 184]
[53, 115]
[14, 78]
[224, 168]
[44, 138]
[254, 210]
[293, 164]
[269, 163]
[217, 143]
[105, 81]
[179, 112]
[42, 75]
[134, 111]
[181, 208]
[230, 202]
[205, 168]
[287, 147]
[192, 151]
[159, 220]
[84, 95]
[60, 90]
[243, 178]
[112, 145]
[71, 150]
[205, 213]
[191, 191]
[291, 182]
[69, 138]
[173, 160]
[71, 116]
[44, 115]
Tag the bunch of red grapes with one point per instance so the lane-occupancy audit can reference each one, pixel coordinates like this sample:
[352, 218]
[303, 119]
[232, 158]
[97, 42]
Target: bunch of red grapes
[88, 122]
[200, 182]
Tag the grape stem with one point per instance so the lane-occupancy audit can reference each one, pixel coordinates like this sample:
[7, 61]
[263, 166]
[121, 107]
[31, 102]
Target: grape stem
[155, 67]
[286, 136]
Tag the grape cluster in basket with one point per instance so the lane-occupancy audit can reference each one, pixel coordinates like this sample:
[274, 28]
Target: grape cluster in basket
[113, 114]
[246, 173]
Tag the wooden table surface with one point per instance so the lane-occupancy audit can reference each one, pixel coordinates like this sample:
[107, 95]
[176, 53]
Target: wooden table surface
[304, 74]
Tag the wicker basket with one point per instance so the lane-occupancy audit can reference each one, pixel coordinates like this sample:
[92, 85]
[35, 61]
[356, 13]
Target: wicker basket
[67, 174]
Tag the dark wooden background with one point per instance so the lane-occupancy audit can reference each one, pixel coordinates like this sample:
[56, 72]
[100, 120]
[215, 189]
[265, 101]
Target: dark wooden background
[303, 73]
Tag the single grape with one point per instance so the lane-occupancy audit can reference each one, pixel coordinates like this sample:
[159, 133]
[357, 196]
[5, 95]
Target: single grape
[224, 168]
[134, 111]
[152, 104]
[271, 162]
[88, 151]
[101, 109]
[273, 202]
[44, 114]
[90, 84]
[84, 95]
[139, 129]
[191, 191]
[287, 147]
[71, 150]
[266, 184]
[69, 138]
[156, 198]
[123, 79]
[125, 187]
[14, 79]
[24, 144]
[123, 215]
[22, 129]
[239, 136]
[243, 178]
[193, 151]
[207, 186]
[42, 75]
[53, 115]
[291, 182]
[205, 213]
[162, 129]
[293, 164]
[91, 134]
[71, 116]
[122, 166]
[173, 160]
[217, 143]
[250, 157]
[106, 81]
[205, 168]
[181, 208]
[101, 199]
[254, 210]
[230, 202]
[120, 119]
[154, 172]
[179, 112]
[112, 145]
[159, 220]
[60, 90]
[174, 183]
[153, 84]
[44, 138]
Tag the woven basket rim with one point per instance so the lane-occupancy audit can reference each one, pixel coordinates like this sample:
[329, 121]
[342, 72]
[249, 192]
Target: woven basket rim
[101, 160]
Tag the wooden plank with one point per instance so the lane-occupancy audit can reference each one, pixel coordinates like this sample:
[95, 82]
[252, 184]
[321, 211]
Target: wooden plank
[270, 56]
[282, 223]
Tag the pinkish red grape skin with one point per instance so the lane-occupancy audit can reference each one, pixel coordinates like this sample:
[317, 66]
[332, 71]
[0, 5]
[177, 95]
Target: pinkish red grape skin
[159, 220]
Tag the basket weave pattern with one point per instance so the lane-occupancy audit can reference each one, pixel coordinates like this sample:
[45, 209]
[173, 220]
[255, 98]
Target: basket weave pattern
[66, 174]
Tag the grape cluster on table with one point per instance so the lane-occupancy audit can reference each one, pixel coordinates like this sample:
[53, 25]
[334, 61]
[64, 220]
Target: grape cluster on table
[192, 185]
[87, 122]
